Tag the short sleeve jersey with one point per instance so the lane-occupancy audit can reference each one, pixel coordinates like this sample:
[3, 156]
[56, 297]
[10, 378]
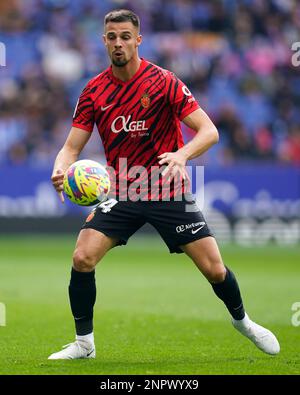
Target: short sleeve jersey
[137, 120]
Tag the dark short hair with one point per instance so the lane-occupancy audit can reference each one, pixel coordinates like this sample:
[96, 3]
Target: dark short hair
[122, 16]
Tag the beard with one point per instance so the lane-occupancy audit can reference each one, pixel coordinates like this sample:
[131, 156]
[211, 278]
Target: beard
[119, 62]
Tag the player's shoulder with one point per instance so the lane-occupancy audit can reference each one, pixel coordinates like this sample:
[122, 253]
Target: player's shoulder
[159, 76]
[163, 73]
[97, 80]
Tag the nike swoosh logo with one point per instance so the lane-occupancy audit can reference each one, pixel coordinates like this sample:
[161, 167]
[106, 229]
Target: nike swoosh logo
[79, 318]
[197, 230]
[90, 353]
[237, 308]
[105, 108]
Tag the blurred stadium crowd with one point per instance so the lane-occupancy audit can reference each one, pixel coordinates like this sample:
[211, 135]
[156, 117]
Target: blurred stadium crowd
[235, 56]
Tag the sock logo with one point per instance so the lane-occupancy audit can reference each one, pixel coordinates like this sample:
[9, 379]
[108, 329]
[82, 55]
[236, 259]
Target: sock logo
[79, 318]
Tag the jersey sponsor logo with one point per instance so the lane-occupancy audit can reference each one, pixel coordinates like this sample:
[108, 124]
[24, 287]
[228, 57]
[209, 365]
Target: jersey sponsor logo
[122, 123]
[194, 227]
[106, 107]
[145, 100]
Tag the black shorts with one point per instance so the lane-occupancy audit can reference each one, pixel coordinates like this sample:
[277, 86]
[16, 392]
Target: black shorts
[177, 222]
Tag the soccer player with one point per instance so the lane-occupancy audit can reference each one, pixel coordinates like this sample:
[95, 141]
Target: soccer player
[137, 107]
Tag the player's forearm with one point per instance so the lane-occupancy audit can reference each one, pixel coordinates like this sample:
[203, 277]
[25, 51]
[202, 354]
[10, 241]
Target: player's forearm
[203, 140]
[64, 159]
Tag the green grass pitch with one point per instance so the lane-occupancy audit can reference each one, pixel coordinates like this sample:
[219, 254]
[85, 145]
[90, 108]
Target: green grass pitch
[155, 313]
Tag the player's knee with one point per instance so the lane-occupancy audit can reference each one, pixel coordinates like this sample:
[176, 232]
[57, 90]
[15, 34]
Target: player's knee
[216, 274]
[82, 261]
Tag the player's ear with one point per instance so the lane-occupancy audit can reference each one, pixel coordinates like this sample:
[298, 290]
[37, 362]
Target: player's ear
[139, 40]
[104, 39]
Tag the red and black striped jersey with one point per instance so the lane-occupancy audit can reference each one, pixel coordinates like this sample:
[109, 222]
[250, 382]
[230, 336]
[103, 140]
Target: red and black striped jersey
[137, 120]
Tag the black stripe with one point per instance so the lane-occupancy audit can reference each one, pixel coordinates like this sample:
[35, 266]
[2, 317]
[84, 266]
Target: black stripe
[169, 91]
[154, 110]
[139, 153]
[175, 90]
[103, 90]
[136, 89]
[112, 96]
[165, 131]
[182, 105]
[136, 79]
[117, 140]
[80, 109]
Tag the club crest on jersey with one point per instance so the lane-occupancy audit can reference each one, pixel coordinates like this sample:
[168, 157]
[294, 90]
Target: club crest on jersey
[145, 100]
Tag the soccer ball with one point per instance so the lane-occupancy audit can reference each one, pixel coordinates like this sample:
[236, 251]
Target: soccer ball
[86, 183]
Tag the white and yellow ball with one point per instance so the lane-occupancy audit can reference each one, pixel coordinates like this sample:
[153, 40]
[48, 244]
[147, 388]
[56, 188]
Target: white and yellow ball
[86, 183]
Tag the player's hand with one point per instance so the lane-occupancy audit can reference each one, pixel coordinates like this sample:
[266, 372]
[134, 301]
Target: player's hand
[57, 181]
[175, 164]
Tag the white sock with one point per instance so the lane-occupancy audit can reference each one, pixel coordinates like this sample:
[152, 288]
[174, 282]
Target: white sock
[89, 338]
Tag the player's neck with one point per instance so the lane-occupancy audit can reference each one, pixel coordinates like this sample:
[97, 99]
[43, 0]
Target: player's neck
[128, 71]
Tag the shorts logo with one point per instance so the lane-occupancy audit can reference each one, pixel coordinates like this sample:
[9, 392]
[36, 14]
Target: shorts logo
[195, 227]
[196, 230]
[145, 100]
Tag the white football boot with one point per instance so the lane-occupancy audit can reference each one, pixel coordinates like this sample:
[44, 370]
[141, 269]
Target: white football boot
[264, 339]
[75, 350]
